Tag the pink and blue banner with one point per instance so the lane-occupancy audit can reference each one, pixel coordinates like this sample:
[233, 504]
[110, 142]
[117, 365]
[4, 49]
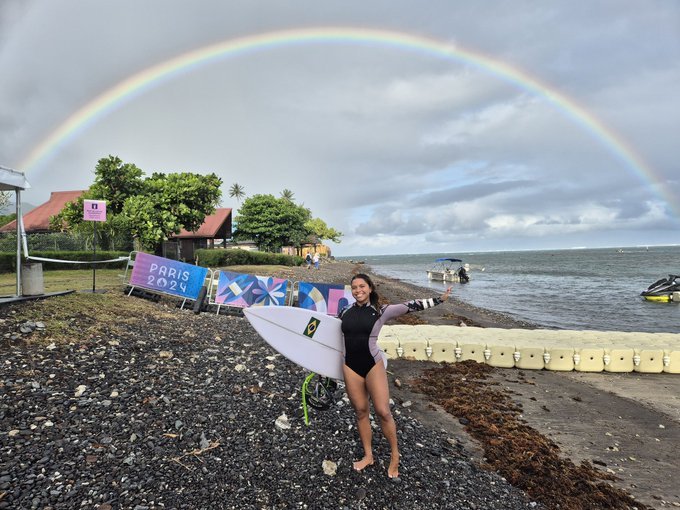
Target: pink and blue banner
[324, 297]
[167, 276]
[244, 290]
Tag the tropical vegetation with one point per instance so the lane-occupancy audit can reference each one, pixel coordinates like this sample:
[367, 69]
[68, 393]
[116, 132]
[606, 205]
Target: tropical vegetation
[148, 209]
[273, 222]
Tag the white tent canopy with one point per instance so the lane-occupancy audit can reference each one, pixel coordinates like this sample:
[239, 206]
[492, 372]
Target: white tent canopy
[11, 180]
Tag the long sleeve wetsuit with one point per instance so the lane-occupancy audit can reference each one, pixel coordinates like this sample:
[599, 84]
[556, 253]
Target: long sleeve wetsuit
[361, 326]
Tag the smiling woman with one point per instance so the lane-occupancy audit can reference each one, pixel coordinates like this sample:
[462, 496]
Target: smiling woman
[365, 364]
[151, 77]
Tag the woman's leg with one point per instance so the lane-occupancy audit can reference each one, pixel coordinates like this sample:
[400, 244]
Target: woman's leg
[358, 396]
[376, 382]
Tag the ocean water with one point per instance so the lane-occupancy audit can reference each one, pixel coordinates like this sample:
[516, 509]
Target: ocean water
[594, 289]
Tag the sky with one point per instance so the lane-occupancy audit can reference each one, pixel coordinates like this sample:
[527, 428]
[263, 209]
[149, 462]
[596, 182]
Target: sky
[442, 127]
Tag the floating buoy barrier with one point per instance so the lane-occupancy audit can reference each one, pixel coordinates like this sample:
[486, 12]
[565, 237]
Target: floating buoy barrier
[536, 349]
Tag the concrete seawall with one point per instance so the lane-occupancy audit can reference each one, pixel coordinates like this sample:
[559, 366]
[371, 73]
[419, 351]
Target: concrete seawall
[536, 349]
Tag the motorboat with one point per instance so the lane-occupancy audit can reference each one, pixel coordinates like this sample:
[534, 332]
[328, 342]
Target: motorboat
[449, 270]
[664, 290]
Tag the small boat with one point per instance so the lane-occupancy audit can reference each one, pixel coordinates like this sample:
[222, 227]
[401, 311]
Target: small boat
[449, 270]
[664, 290]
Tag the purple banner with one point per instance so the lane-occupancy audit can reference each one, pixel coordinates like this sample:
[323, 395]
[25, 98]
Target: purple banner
[324, 297]
[168, 276]
[243, 290]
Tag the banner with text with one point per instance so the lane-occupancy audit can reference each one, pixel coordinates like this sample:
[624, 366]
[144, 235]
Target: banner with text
[168, 276]
[94, 210]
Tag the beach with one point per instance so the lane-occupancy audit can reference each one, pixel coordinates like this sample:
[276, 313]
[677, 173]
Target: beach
[625, 423]
[125, 403]
[614, 420]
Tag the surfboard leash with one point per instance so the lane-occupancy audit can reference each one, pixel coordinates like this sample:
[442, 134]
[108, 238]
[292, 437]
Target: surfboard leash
[304, 396]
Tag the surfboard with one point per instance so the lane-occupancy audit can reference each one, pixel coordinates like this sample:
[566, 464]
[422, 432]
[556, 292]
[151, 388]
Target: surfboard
[310, 339]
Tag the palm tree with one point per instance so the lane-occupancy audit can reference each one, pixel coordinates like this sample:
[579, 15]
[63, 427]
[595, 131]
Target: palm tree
[237, 191]
[287, 194]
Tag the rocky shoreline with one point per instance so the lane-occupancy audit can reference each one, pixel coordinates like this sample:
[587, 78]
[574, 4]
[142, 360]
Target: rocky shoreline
[161, 408]
[124, 403]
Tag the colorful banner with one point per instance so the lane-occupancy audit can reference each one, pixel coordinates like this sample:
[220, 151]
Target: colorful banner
[243, 290]
[168, 276]
[324, 297]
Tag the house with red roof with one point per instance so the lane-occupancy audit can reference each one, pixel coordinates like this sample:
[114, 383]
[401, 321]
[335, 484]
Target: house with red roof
[37, 220]
[215, 227]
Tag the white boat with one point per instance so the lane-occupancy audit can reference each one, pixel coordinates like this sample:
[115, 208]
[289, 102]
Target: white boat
[449, 270]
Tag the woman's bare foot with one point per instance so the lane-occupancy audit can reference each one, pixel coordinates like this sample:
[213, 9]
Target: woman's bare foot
[393, 469]
[363, 463]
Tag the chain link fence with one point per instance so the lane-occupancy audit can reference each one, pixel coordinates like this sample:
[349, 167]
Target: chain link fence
[61, 241]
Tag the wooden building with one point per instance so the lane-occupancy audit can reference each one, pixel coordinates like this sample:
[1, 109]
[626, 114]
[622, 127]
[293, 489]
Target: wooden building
[215, 228]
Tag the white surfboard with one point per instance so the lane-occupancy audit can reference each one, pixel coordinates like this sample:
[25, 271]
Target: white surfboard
[310, 339]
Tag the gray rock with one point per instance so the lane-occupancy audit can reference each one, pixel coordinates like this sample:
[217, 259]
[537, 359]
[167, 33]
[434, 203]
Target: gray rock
[168, 438]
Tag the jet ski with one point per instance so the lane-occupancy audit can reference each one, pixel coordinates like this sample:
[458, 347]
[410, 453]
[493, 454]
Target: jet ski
[664, 290]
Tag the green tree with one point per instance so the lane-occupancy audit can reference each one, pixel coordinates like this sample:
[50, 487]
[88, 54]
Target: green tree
[148, 223]
[70, 218]
[115, 181]
[287, 194]
[272, 222]
[237, 191]
[6, 218]
[319, 230]
[148, 209]
[169, 203]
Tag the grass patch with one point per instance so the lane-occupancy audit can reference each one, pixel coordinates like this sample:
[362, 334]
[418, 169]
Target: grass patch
[69, 279]
[83, 316]
[80, 315]
[112, 279]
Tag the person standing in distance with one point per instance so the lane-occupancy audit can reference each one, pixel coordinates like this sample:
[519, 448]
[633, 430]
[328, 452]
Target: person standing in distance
[364, 368]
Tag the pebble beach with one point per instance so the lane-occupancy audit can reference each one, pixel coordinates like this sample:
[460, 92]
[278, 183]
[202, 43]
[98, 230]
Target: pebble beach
[117, 402]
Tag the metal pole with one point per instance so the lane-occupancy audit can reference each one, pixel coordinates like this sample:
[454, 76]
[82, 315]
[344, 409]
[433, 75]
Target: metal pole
[94, 255]
[18, 220]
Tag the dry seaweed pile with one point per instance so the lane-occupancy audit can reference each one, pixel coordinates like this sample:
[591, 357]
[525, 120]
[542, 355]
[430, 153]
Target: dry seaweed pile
[519, 453]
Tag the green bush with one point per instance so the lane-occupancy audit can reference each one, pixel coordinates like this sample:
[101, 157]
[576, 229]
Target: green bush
[219, 258]
[8, 261]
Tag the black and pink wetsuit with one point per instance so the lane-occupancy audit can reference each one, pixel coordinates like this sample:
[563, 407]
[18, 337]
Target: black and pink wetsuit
[361, 326]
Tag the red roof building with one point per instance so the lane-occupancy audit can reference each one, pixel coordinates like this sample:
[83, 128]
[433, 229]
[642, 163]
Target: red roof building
[214, 227]
[217, 226]
[38, 220]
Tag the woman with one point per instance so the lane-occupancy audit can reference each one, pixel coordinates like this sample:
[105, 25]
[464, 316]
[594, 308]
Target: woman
[364, 368]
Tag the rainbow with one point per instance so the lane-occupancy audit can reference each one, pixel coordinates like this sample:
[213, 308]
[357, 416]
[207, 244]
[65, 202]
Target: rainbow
[144, 80]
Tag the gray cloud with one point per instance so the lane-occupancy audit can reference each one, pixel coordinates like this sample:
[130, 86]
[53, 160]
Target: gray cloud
[399, 148]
